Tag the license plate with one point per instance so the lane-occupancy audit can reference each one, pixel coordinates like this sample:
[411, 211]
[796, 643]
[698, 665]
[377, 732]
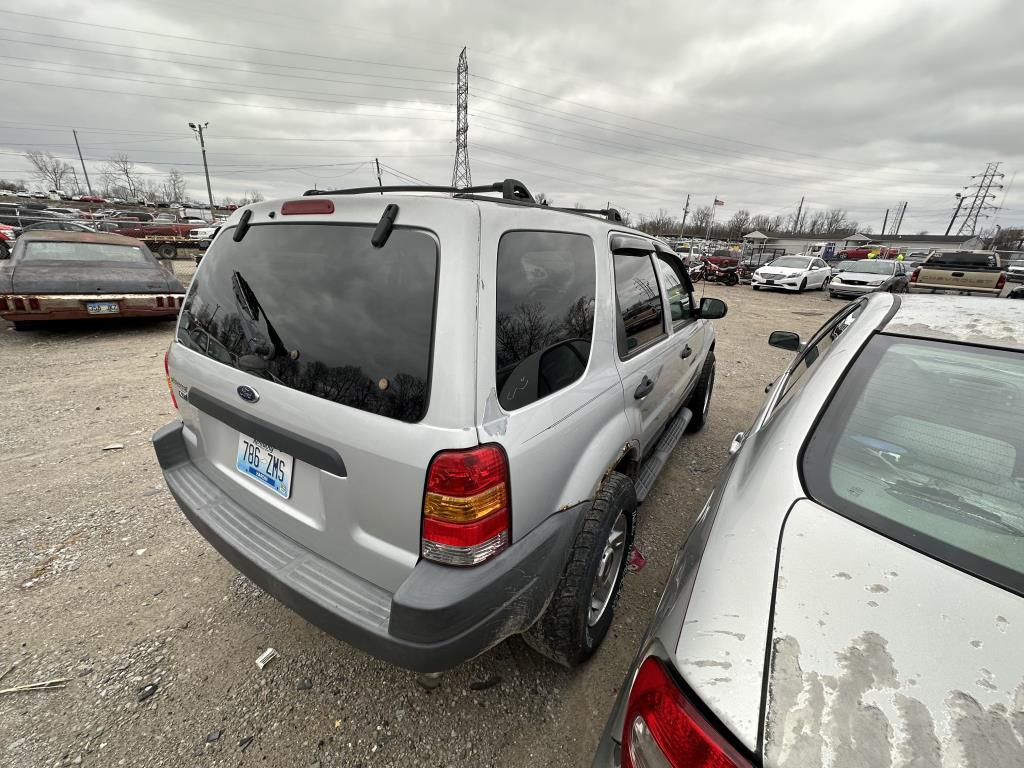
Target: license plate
[102, 308]
[770, 282]
[265, 464]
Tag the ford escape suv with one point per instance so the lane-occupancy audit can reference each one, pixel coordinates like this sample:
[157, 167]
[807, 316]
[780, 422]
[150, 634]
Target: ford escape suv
[425, 422]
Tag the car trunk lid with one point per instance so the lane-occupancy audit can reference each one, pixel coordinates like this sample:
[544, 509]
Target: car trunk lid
[882, 655]
[89, 277]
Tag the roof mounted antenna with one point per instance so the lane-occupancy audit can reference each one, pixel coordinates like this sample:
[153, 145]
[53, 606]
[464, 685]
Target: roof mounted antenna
[511, 189]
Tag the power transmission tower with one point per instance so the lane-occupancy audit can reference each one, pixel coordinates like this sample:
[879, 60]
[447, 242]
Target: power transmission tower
[460, 174]
[980, 201]
[897, 219]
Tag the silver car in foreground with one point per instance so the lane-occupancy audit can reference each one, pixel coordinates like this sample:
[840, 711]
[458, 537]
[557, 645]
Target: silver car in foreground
[853, 591]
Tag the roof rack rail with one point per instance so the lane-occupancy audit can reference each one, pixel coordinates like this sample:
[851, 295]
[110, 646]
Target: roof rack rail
[612, 214]
[510, 189]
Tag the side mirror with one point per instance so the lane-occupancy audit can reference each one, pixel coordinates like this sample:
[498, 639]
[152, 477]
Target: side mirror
[785, 340]
[712, 309]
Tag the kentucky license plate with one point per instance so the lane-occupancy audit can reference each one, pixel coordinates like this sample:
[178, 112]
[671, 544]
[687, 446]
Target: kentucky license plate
[102, 308]
[268, 465]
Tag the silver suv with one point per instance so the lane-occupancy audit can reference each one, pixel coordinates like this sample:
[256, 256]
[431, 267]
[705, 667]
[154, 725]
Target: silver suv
[424, 422]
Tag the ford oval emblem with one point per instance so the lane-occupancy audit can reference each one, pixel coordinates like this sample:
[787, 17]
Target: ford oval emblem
[248, 394]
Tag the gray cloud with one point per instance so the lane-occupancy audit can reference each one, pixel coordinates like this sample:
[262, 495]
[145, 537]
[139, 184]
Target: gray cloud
[854, 105]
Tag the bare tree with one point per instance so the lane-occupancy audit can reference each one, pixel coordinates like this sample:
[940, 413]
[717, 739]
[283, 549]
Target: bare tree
[760, 222]
[739, 224]
[543, 199]
[660, 224]
[776, 223]
[49, 170]
[836, 220]
[252, 196]
[119, 175]
[701, 217]
[174, 186]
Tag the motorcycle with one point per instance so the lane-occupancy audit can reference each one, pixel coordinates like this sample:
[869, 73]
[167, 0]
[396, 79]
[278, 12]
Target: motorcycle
[725, 275]
[696, 272]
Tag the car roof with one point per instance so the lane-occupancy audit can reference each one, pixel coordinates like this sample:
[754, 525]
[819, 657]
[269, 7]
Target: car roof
[78, 237]
[982, 320]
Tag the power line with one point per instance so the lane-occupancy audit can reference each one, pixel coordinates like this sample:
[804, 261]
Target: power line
[220, 43]
[165, 97]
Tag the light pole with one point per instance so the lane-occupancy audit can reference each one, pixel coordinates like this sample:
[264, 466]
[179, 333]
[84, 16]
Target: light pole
[198, 129]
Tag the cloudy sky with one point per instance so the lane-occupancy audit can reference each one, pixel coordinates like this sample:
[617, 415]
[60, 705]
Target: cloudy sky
[857, 105]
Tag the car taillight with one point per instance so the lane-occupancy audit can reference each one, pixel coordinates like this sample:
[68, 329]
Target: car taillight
[663, 728]
[19, 305]
[167, 370]
[916, 273]
[33, 303]
[466, 515]
[3, 304]
[1001, 281]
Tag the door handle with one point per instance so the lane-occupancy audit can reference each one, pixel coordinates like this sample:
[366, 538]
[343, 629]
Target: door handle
[686, 352]
[642, 391]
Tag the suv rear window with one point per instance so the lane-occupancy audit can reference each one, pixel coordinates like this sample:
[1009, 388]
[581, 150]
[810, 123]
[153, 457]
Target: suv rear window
[545, 286]
[924, 442]
[962, 259]
[316, 308]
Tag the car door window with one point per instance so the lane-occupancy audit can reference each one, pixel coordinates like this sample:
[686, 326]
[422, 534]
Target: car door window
[641, 317]
[546, 282]
[673, 282]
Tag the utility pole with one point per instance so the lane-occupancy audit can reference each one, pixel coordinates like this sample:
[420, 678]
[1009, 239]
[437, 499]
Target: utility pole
[959, 204]
[885, 221]
[982, 194]
[198, 129]
[799, 210]
[461, 178]
[379, 182]
[87, 182]
[686, 211]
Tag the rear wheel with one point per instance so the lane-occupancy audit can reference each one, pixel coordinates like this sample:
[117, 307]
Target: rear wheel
[22, 325]
[700, 401]
[167, 251]
[583, 604]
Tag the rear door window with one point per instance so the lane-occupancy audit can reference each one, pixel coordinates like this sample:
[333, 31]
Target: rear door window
[641, 316]
[316, 308]
[546, 282]
[940, 470]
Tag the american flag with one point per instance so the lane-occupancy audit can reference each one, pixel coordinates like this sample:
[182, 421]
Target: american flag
[719, 202]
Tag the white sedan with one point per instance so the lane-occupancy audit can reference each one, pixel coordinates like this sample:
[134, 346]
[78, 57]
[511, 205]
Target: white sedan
[792, 273]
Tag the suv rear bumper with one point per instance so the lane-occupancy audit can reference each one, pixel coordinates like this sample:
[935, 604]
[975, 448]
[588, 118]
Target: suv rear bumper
[438, 618]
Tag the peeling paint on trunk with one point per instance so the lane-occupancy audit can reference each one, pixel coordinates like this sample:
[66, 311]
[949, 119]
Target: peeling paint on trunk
[932, 676]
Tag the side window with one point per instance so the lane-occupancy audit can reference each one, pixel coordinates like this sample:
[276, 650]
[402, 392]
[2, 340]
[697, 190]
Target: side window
[680, 302]
[641, 318]
[546, 282]
[817, 347]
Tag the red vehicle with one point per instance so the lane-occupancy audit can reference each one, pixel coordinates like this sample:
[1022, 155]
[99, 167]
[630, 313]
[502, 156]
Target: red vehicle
[158, 229]
[722, 258]
[862, 251]
[6, 240]
[92, 199]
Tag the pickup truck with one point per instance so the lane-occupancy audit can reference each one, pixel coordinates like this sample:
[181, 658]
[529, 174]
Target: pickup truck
[962, 272]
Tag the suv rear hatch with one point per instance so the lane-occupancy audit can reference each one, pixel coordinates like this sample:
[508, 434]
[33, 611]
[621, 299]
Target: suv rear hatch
[303, 367]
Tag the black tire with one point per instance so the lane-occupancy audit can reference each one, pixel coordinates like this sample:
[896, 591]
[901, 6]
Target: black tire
[700, 401]
[824, 283]
[756, 287]
[563, 633]
[167, 251]
[22, 325]
[5, 250]
[803, 286]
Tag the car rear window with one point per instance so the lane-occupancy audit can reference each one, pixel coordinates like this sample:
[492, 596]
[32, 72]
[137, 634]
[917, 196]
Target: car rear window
[546, 282]
[924, 442]
[962, 259]
[318, 309]
[46, 250]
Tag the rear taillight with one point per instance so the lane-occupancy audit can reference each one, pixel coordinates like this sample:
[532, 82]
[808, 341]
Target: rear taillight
[19, 305]
[159, 301]
[1001, 281]
[916, 273]
[663, 728]
[3, 304]
[33, 303]
[466, 516]
[167, 370]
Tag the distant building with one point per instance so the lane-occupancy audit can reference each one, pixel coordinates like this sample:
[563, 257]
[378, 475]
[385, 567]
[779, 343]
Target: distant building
[905, 243]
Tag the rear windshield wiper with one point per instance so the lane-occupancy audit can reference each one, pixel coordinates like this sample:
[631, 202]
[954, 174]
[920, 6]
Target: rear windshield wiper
[949, 504]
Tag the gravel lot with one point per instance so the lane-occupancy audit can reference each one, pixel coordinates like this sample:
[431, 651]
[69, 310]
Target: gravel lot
[104, 582]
